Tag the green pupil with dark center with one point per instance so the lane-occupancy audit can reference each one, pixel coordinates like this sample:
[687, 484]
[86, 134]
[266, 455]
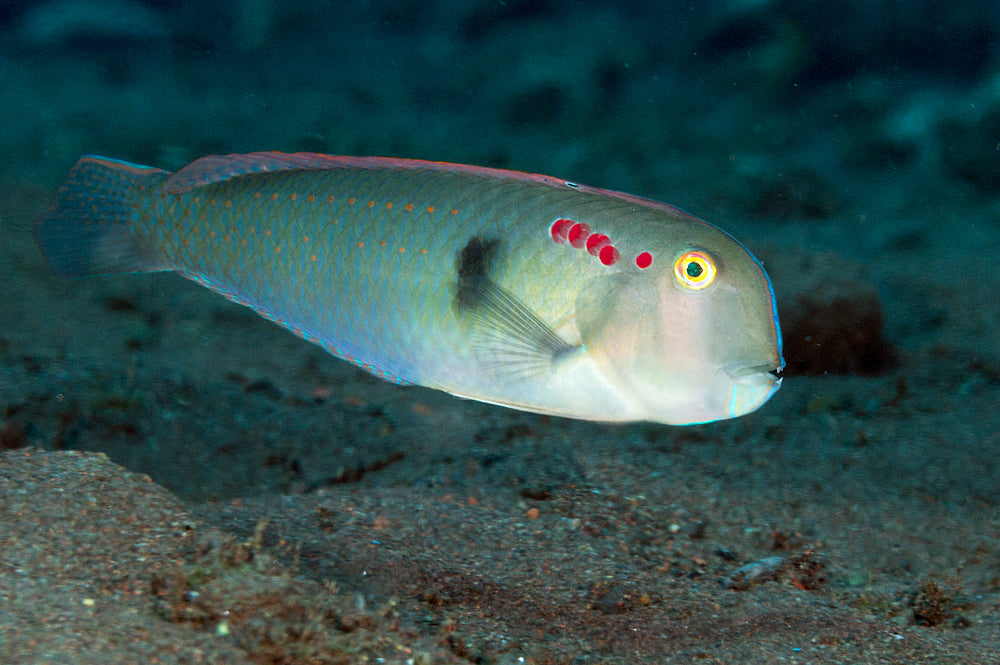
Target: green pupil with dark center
[694, 269]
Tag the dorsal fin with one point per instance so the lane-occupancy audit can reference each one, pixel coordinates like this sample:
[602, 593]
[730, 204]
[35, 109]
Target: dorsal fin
[217, 168]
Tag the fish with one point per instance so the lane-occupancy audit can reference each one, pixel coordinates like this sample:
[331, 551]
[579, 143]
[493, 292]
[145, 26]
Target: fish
[518, 289]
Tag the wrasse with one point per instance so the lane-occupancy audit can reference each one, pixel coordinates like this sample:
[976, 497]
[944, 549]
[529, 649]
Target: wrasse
[510, 288]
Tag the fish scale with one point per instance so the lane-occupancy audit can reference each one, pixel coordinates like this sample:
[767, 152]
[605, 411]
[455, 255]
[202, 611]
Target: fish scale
[516, 289]
[288, 244]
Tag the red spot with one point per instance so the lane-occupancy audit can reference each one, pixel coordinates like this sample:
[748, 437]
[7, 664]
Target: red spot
[577, 235]
[609, 255]
[560, 229]
[596, 242]
[644, 260]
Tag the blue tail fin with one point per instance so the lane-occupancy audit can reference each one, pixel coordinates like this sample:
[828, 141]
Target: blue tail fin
[90, 229]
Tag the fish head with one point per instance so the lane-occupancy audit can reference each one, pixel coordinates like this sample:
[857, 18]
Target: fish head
[692, 338]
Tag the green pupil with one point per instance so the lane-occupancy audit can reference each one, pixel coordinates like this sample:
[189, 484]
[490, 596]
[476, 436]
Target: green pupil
[694, 270]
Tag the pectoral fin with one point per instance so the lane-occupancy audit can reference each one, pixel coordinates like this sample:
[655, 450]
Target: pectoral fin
[510, 337]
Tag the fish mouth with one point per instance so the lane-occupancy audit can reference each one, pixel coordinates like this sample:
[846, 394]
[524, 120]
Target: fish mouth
[751, 384]
[741, 370]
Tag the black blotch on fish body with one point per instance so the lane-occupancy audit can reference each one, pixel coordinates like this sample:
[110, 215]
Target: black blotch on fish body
[511, 331]
[473, 266]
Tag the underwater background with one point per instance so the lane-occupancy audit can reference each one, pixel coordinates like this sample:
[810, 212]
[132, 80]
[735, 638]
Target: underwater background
[182, 480]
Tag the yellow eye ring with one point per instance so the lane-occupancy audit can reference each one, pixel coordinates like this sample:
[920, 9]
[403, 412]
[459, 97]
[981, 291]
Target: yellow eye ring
[695, 270]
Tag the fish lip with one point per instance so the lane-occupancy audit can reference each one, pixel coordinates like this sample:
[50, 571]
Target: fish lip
[741, 370]
[751, 383]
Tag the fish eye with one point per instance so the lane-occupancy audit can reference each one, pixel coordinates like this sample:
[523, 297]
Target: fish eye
[695, 270]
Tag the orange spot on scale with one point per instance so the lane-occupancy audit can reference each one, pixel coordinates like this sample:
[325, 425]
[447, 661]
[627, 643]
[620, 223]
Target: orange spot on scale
[197, 199]
[382, 243]
[293, 196]
[305, 238]
[244, 242]
[229, 204]
[252, 229]
[408, 206]
[371, 204]
[402, 249]
[312, 257]
[454, 211]
[211, 202]
[351, 200]
[274, 197]
[423, 251]
[277, 250]
[227, 237]
[430, 208]
[256, 195]
[211, 234]
[361, 244]
[329, 199]
[310, 198]
[268, 233]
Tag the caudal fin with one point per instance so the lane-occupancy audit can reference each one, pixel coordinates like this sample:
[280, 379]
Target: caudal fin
[89, 231]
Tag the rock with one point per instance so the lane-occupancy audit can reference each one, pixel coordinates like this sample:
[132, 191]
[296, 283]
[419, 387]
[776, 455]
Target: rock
[836, 328]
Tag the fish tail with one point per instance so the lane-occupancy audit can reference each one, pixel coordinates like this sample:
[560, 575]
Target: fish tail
[90, 229]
